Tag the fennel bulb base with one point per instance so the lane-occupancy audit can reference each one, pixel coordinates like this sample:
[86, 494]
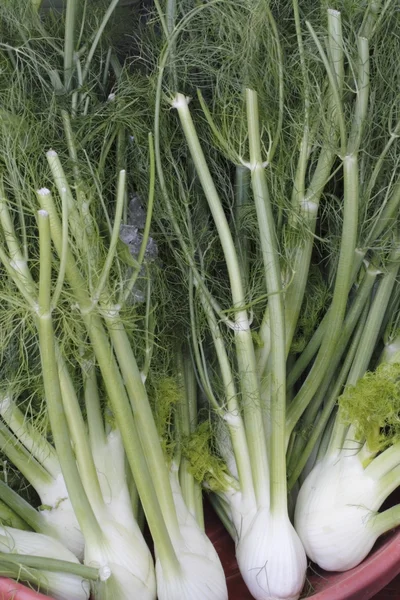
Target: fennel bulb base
[335, 513]
[199, 578]
[271, 557]
[125, 564]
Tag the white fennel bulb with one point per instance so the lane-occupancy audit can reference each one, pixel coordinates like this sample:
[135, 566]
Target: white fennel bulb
[109, 459]
[200, 575]
[60, 517]
[61, 586]
[335, 512]
[271, 557]
[124, 562]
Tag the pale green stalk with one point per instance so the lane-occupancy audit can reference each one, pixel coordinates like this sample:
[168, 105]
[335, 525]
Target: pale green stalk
[388, 483]
[10, 518]
[375, 318]
[34, 441]
[30, 468]
[368, 341]
[273, 280]
[329, 405]
[349, 325]
[384, 462]
[386, 520]
[244, 344]
[49, 564]
[242, 188]
[99, 33]
[306, 202]
[349, 231]
[187, 415]
[104, 276]
[146, 426]
[79, 438]
[97, 435]
[232, 414]
[63, 257]
[23, 509]
[82, 508]
[69, 41]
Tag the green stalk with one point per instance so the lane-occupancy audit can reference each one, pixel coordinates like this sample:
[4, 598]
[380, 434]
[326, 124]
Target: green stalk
[10, 518]
[53, 565]
[328, 406]
[20, 507]
[308, 353]
[30, 468]
[387, 215]
[386, 520]
[388, 483]
[222, 510]
[242, 188]
[36, 4]
[146, 426]
[243, 338]
[17, 260]
[232, 415]
[307, 202]
[197, 353]
[36, 443]
[349, 325]
[103, 279]
[97, 435]
[269, 247]
[384, 462]
[368, 341]
[69, 42]
[99, 33]
[187, 411]
[79, 438]
[375, 318]
[82, 508]
[361, 107]
[340, 294]
[117, 395]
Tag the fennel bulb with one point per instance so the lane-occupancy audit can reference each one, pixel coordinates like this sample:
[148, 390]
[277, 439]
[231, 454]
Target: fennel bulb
[337, 507]
[335, 512]
[62, 586]
[271, 557]
[124, 562]
[123, 557]
[200, 575]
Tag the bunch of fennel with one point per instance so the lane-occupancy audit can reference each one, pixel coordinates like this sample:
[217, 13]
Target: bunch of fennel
[244, 250]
